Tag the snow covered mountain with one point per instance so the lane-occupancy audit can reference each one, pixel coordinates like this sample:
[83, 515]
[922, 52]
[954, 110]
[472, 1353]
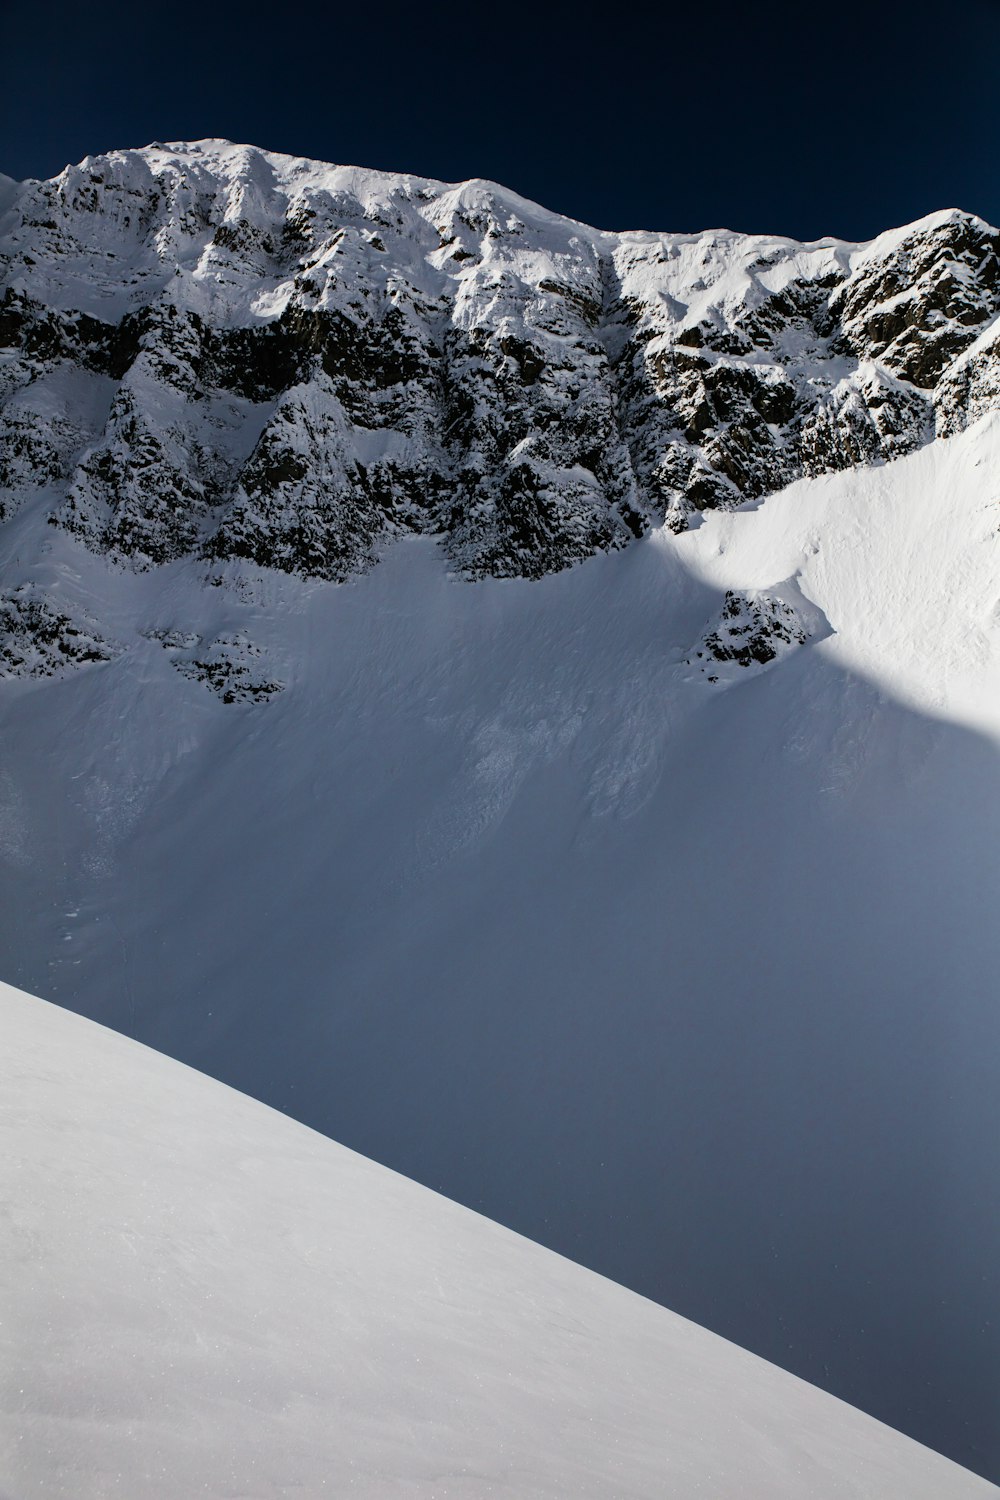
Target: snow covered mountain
[245, 1308]
[221, 352]
[648, 904]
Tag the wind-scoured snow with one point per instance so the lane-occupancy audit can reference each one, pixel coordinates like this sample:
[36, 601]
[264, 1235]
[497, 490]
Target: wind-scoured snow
[202, 1297]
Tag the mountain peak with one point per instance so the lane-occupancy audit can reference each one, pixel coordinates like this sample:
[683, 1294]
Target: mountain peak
[542, 390]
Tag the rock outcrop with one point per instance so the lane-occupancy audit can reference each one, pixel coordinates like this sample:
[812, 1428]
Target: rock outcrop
[208, 350]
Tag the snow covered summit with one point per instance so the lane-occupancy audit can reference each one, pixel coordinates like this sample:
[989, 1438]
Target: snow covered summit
[217, 351]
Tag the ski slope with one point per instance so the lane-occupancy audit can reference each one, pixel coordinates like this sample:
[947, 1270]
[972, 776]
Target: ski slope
[202, 1297]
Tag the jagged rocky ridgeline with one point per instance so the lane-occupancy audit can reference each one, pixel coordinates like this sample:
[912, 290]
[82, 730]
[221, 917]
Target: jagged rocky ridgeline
[212, 350]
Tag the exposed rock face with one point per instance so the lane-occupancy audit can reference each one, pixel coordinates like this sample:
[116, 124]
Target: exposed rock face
[39, 640]
[231, 666]
[210, 350]
[753, 629]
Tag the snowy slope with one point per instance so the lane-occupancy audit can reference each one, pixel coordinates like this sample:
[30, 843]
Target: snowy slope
[532, 881]
[202, 1297]
[504, 890]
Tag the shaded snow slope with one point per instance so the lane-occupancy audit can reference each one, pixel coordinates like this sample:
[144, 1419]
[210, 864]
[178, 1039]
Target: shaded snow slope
[693, 980]
[201, 1297]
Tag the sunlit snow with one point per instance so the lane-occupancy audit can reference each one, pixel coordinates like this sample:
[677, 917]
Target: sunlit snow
[201, 1297]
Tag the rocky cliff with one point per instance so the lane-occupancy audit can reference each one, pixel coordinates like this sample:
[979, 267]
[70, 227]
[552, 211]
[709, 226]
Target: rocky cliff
[212, 351]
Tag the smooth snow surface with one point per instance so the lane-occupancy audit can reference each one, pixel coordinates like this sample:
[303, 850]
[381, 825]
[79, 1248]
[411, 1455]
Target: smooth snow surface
[203, 1298]
[694, 980]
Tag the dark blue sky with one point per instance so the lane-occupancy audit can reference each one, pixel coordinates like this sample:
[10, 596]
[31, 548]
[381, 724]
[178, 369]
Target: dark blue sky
[774, 117]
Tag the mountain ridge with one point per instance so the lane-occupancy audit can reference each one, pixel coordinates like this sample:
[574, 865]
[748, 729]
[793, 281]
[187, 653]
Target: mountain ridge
[306, 359]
